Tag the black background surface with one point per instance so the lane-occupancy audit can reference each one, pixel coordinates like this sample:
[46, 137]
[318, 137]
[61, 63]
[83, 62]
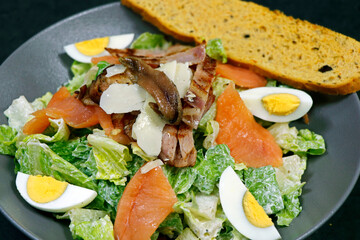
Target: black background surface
[20, 20]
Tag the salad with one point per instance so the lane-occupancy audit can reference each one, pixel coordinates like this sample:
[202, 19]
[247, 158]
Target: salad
[149, 163]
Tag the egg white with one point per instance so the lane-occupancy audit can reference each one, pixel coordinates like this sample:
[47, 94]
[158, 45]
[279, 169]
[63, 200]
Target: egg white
[118, 41]
[252, 99]
[73, 196]
[232, 191]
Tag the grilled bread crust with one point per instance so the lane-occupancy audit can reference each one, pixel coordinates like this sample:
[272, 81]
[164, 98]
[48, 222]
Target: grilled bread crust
[292, 51]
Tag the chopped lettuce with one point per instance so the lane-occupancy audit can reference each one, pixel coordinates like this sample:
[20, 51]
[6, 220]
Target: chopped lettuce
[187, 234]
[41, 102]
[36, 158]
[79, 71]
[181, 179]
[262, 183]
[101, 67]
[197, 217]
[229, 232]
[60, 130]
[211, 166]
[8, 137]
[289, 179]
[172, 226]
[111, 158]
[211, 133]
[289, 174]
[72, 150]
[291, 210]
[299, 142]
[139, 152]
[215, 49]
[89, 224]
[150, 41]
[18, 113]
[110, 192]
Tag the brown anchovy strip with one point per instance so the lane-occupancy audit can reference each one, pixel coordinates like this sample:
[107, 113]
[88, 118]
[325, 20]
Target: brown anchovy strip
[158, 85]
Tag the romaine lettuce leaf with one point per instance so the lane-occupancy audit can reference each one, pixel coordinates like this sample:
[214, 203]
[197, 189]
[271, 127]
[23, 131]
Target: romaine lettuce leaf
[289, 174]
[139, 152]
[181, 179]
[187, 234]
[289, 179]
[299, 142]
[101, 67]
[111, 158]
[150, 41]
[215, 50]
[41, 102]
[60, 130]
[209, 169]
[110, 192]
[204, 227]
[211, 133]
[172, 226]
[8, 137]
[37, 158]
[79, 70]
[262, 183]
[291, 210]
[89, 224]
[229, 232]
[18, 113]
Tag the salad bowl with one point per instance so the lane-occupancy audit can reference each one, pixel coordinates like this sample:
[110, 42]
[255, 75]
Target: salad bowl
[45, 66]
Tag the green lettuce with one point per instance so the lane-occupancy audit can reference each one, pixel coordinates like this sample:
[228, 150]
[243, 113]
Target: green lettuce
[36, 158]
[150, 41]
[41, 102]
[172, 226]
[211, 166]
[73, 150]
[111, 158]
[229, 232]
[187, 234]
[202, 215]
[8, 137]
[79, 71]
[215, 49]
[101, 67]
[289, 179]
[211, 133]
[299, 142]
[89, 224]
[139, 152]
[291, 210]
[262, 183]
[18, 113]
[181, 179]
[59, 129]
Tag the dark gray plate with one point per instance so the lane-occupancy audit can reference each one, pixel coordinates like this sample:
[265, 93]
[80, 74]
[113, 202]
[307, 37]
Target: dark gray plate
[40, 65]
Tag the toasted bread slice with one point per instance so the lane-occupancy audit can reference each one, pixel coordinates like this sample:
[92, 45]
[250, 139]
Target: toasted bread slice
[295, 52]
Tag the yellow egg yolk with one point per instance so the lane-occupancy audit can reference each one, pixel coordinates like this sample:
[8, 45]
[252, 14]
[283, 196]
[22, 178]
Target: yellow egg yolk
[43, 189]
[254, 212]
[281, 104]
[92, 47]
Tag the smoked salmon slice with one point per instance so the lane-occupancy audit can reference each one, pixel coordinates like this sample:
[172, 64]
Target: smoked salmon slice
[146, 202]
[242, 77]
[248, 141]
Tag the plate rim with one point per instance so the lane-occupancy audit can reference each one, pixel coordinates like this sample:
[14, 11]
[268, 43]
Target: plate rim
[32, 235]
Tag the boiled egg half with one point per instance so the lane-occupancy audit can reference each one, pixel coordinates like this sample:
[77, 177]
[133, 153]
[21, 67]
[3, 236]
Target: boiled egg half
[242, 209]
[277, 104]
[48, 194]
[85, 50]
